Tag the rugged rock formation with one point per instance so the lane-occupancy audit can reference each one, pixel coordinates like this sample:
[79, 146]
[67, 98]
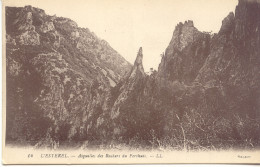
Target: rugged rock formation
[134, 78]
[233, 63]
[185, 54]
[204, 95]
[206, 91]
[58, 77]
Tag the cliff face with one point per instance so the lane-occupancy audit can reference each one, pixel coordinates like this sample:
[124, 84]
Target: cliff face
[185, 54]
[58, 77]
[233, 63]
[206, 86]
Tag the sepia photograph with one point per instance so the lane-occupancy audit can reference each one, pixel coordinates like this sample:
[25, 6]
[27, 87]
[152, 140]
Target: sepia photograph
[131, 81]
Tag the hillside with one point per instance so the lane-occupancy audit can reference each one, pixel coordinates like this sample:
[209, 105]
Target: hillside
[58, 77]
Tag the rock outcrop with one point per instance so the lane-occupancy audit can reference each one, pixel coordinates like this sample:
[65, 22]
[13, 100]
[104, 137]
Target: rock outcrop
[130, 115]
[132, 82]
[185, 54]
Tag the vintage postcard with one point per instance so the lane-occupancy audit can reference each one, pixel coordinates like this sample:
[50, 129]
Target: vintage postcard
[131, 81]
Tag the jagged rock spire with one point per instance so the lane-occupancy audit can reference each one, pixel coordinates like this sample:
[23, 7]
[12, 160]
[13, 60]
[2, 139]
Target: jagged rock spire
[139, 60]
[134, 78]
[138, 65]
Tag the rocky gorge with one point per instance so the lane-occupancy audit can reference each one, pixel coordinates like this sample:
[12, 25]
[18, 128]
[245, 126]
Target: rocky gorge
[67, 86]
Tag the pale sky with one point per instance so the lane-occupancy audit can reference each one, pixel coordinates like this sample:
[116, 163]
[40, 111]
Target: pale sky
[129, 24]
